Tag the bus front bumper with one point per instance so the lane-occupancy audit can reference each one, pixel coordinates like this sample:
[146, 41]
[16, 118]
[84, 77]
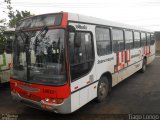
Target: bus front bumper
[63, 108]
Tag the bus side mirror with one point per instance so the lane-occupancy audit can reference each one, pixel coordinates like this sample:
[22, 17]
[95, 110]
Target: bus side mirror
[77, 40]
[71, 28]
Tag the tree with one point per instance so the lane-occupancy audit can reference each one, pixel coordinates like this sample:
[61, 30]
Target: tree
[16, 15]
[2, 38]
[2, 22]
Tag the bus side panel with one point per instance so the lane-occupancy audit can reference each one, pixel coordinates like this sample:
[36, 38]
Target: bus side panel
[75, 101]
[151, 56]
[114, 79]
[93, 91]
[131, 64]
[84, 88]
[150, 59]
[105, 64]
[126, 72]
[83, 96]
[83, 91]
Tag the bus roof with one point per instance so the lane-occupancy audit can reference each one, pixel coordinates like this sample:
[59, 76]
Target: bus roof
[98, 21]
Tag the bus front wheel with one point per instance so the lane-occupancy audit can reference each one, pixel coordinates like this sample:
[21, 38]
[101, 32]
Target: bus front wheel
[102, 89]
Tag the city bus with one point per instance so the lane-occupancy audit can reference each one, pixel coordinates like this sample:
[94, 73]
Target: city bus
[5, 55]
[62, 61]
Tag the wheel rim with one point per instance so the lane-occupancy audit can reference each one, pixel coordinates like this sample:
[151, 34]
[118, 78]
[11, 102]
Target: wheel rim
[103, 90]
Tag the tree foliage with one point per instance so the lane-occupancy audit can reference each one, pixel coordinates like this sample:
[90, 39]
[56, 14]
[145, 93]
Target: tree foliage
[15, 16]
[2, 38]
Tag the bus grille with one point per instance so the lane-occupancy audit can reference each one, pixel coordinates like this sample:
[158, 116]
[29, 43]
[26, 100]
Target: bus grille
[30, 96]
[31, 104]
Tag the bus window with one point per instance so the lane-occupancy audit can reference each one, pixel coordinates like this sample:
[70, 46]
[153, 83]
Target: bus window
[129, 39]
[152, 39]
[81, 57]
[103, 41]
[143, 39]
[136, 40]
[148, 39]
[118, 40]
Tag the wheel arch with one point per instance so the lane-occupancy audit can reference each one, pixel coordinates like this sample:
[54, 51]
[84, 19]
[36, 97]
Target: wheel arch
[145, 58]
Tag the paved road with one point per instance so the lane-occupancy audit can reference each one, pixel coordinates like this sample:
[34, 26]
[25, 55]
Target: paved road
[139, 93]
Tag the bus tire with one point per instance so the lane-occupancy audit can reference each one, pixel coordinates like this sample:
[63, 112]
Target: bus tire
[144, 66]
[102, 89]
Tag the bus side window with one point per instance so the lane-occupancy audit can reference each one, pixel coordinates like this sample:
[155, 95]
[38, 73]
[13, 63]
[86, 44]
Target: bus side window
[118, 40]
[143, 39]
[137, 40]
[81, 57]
[152, 39]
[148, 39]
[129, 39]
[103, 41]
[71, 47]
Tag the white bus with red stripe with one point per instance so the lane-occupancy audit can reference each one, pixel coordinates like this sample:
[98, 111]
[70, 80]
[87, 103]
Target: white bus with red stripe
[62, 61]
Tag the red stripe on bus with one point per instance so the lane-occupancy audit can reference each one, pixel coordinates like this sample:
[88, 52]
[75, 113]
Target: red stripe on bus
[64, 20]
[119, 58]
[45, 91]
[122, 56]
[129, 56]
[145, 50]
[148, 49]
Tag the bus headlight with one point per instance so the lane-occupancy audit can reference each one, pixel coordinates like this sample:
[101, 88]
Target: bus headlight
[54, 100]
[60, 100]
[47, 99]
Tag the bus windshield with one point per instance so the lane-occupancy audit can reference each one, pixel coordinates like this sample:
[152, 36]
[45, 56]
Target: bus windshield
[39, 56]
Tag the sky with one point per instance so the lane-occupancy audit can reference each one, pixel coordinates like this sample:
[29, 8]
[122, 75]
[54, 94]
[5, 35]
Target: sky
[142, 13]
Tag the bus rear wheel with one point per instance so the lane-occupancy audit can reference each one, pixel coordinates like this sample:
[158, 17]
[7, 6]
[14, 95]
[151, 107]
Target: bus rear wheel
[144, 66]
[103, 89]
